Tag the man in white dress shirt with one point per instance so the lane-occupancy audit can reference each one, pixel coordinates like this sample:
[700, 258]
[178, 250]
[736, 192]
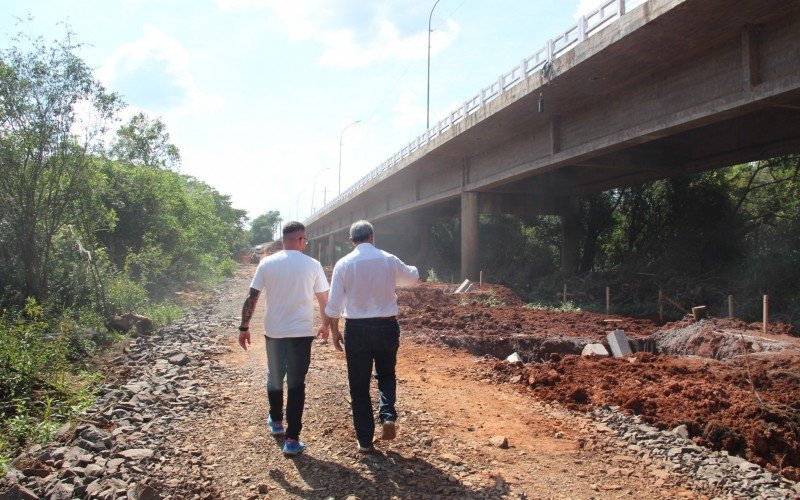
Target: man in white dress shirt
[363, 292]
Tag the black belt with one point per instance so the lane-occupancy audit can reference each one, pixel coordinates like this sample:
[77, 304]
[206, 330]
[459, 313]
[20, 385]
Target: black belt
[371, 321]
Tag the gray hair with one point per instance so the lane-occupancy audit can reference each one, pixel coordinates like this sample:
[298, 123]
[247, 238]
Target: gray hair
[361, 231]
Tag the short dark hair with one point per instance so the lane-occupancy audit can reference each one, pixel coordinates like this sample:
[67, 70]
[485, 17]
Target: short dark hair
[293, 227]
[361, 231]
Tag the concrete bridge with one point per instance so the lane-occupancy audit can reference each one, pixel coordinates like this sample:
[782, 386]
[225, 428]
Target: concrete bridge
[633, 92]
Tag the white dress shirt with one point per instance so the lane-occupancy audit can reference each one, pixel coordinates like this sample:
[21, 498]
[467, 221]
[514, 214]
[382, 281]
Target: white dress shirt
[364, 281]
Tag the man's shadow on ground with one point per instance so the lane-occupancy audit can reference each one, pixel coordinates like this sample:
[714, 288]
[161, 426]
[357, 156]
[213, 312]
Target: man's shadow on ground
[390, 475]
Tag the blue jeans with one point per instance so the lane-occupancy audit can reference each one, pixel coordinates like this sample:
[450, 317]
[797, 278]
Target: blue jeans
[366, 341]
[288, 358]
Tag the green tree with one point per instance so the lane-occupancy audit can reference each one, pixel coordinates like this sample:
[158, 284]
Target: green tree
[45, 142]
[145, 141]
[263, 227]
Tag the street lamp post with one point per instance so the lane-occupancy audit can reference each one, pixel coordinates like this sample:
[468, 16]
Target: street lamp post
[340, 152]
[314, 189]
[297, 204]
[428, 105]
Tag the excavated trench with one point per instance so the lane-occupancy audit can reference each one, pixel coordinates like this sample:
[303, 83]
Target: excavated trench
[695, 340]
[733, 386]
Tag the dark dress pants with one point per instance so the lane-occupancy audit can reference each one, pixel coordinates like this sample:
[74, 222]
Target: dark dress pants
[368, 341]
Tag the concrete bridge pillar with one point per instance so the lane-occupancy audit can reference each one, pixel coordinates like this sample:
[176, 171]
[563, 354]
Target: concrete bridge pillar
[423, 255]
[469, 235]
[570, 236]
[329, 255]
[318, 247]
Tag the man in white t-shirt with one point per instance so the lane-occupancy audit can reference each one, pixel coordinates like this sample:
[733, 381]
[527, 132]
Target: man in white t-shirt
[290, 280]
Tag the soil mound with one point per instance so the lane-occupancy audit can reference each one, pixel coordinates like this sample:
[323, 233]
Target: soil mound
[745, 404]
[719, 338]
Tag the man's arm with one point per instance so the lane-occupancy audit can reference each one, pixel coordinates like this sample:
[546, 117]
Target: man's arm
[336, 336]
[406, 275]
[336, 298]
[322, 299]
[247, 313]
[336, 305]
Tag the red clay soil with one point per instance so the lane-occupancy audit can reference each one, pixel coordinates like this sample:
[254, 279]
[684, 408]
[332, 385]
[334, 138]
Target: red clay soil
[714, 399]
[748, 405]
[496, 310]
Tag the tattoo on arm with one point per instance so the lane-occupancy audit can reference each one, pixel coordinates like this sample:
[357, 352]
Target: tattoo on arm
[249, 306]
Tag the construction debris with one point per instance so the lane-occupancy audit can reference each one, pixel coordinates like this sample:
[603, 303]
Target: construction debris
[594, 350]
[464, 287]
[499, 442]
[619, 343]
[700, 312]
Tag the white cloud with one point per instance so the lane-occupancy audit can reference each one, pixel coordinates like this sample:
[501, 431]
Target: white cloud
[355, 33]
[228, 5]
[586, 6]
[341, 48]
[154, 73]
[408, 113]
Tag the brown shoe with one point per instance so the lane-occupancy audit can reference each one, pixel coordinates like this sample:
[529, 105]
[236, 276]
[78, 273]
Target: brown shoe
[389, 430]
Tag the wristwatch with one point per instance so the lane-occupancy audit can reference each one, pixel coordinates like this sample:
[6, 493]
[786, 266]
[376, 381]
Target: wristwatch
[244, 328]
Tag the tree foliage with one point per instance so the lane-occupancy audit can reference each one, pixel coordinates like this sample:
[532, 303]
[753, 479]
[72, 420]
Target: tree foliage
[45, 142]
[84, 235]
[264, 227]
[701, 237]
[145, 142]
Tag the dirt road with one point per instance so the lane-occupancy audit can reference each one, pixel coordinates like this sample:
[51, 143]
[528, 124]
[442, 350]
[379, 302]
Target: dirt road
[448, 416]
[183, 414]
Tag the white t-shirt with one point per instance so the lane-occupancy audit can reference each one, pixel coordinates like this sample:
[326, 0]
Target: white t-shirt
[289, 279]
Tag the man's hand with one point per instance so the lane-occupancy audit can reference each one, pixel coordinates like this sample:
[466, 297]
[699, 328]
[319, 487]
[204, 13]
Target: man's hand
[322, 333]
[336, 336]
[244, 339]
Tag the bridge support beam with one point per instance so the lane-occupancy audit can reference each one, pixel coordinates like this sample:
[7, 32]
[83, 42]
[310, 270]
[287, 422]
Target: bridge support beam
[423, 255]
[469, 235]
[329, 251]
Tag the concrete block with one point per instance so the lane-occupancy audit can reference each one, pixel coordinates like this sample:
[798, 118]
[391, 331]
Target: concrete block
[594, 350]
[619, 343]
[700, 312]
[463, 286]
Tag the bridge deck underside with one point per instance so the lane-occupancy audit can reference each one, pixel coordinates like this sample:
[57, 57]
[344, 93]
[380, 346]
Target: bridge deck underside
[673, 87]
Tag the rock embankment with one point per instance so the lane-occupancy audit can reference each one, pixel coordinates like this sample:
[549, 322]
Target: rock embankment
[122, 446]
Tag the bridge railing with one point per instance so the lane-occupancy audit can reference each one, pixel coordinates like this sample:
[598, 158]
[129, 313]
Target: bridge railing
[586, 26]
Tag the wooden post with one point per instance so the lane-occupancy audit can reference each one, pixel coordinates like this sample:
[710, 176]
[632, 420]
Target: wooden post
[480, 279]
[660, 305]
[766, 314]
[565, 293]
[730, 306]
[608, 300]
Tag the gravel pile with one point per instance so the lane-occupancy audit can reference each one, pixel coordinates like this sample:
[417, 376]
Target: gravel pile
[713, 472]
[164, 379]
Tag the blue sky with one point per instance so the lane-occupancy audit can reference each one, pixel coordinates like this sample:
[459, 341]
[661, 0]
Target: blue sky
[256, 93]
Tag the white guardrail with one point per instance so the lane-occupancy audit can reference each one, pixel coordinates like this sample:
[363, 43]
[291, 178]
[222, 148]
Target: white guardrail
[587, 25]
